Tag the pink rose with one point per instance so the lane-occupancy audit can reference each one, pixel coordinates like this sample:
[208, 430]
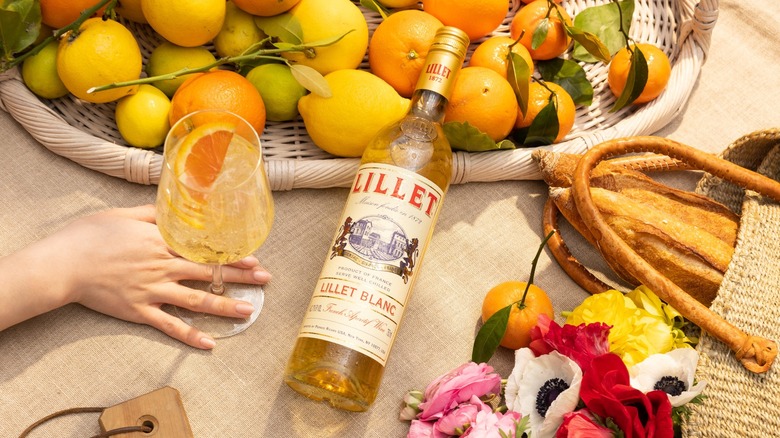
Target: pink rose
[458, 386]
[422, 429]
[490, 424]
[579, 343]
[455, 421]
[582, 424]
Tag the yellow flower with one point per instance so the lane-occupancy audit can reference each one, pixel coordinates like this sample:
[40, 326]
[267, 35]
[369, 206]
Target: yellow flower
[645, 299]
[636, 333]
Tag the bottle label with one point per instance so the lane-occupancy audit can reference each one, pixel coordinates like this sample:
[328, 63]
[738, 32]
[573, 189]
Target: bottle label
[364, 286]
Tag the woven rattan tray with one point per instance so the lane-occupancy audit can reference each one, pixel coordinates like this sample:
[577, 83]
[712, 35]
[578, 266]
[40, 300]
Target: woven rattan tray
[87, 134]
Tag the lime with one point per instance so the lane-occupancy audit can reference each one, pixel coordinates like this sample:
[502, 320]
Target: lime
[168, 58]
[279, 90]
[142, 118]
[39, 73]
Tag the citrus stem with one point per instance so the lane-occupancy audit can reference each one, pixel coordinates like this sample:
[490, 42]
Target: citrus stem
[622, 30]
[62, 31]
[521, 303]
[252, 56]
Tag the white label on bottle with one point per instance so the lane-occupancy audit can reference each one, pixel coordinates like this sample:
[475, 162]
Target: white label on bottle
[364, 286]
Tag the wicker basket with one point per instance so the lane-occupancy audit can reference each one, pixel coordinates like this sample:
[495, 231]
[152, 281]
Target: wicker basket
[86, 133]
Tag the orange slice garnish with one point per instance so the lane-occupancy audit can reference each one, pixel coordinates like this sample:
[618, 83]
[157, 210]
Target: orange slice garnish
[202, 153]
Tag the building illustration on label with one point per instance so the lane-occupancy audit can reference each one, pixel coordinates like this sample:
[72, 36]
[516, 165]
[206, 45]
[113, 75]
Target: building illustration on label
[377, 243]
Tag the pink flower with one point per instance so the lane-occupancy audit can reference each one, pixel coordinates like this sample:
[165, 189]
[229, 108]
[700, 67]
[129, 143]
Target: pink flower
[490, 424]
[458, 386]
[422, 429]
[607, 392]
[582, 424]
[579, 343]
[457, 420]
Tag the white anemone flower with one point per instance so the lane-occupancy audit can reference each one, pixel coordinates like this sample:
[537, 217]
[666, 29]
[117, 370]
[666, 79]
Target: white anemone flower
[670, 372]
[544, 388]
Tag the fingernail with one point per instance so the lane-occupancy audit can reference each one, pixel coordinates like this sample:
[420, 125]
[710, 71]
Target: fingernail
[250, 261]
[245, 308]
[207, 343]
[261, 276]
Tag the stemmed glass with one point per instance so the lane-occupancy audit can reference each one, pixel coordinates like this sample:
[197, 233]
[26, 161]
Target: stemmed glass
[214, 205]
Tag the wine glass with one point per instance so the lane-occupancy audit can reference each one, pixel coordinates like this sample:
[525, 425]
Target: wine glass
[214, 205]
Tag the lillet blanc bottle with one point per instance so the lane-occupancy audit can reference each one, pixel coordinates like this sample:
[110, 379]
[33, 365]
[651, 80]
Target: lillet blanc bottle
[387, 222]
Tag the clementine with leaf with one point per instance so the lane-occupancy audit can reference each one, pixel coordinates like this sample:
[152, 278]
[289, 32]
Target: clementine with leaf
[543, 29]
[485, 100]
[523, 313]
[540, 96]
[493, 53]
[659, 69]
[509, 311]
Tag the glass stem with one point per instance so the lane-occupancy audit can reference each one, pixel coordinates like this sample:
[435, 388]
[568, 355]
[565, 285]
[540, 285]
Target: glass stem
[217, 285]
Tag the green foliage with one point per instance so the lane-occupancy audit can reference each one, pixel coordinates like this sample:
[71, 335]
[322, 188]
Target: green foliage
[519, 76]
[569, 75]
[283, 26]
[466, 137]
[490, 334]
[20, 23]
[543, 129]
[375, 6]
[605, 23]
[311, 80]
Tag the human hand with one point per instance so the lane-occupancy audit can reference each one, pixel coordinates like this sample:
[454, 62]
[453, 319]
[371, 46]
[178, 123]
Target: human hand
[116, 262]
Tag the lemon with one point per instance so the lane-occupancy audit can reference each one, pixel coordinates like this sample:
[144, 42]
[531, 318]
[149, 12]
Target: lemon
[316, 20]
[168, 58]
[279, 90]
[361, 104]
[238, 33]
[39, 73]
[131, 9]
[188, 23]
[142, 118]
[100, 52]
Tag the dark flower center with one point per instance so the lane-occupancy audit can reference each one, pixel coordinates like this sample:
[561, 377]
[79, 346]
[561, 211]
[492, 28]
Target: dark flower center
[670, 385]
[548, 393]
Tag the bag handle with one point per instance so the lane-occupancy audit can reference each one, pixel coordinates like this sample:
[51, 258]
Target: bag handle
[755, 353]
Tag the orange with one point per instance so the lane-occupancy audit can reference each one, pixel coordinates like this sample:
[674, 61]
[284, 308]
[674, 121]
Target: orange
[475, 17]
[485, 100]
[219, 89]
[203, 151]
[658, 71]
[523, 316]
[398, 47]
[539, 97]
[60, 13]
[265, 8]
[493, 53]
[527, 19]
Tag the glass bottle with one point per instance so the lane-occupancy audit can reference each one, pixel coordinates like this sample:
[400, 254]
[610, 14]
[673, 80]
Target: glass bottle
[387, 222]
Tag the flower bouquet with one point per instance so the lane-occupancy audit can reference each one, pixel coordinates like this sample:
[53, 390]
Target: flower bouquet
[621, 365]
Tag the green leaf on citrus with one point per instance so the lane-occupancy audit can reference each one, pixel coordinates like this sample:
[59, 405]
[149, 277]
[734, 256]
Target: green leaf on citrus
[569, 75]
[635, 82]
[604, 22]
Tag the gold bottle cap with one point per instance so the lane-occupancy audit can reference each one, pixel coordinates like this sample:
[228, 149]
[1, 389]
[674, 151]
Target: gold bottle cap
[451, 39]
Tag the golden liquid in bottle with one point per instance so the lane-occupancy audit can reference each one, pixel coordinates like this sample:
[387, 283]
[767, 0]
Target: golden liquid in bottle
[329, 371]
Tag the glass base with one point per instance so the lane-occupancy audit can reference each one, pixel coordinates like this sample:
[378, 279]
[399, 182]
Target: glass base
[223, 326]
